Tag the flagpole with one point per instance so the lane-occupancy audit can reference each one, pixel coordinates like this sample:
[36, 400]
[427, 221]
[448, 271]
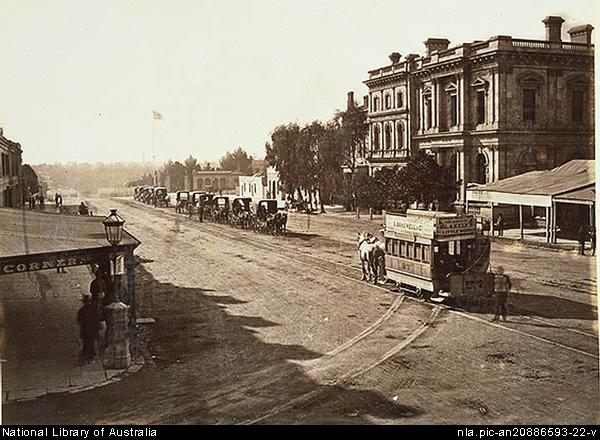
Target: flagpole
[153, 153]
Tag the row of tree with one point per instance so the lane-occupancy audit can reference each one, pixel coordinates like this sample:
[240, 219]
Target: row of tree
[177, 172]
[311, 159]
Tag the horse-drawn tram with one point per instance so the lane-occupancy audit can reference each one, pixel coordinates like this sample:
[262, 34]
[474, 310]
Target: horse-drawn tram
[437, 255]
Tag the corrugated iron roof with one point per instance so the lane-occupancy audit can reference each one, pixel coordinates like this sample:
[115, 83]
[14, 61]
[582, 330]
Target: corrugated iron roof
[25, 232]
[570, 176]
[581, 195]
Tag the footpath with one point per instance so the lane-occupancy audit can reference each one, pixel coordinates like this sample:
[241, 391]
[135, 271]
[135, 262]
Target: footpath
[39, 337]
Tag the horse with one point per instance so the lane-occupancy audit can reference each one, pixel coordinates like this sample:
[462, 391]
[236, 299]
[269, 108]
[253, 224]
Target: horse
[370, 255]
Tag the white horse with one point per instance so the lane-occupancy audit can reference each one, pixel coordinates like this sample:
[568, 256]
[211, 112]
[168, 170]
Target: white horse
[371, 254]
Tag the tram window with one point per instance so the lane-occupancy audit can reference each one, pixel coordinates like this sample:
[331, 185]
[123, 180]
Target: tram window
[451, 247]
[410, 251]
[418, 252]
[458, 247]
[395, 247]
[388, 245]
[426, 250]
[402, 248]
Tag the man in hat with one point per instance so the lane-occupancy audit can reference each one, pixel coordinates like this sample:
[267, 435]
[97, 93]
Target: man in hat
[502, 286]
[88, 320]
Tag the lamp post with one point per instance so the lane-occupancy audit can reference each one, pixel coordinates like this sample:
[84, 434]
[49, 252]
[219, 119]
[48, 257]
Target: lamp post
[117, 352]
[113, 225]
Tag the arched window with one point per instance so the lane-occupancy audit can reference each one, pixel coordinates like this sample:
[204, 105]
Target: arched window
[528, 162]
[388, 136]
[388, 101]
[376, 143]
[207, 182]
[400, 136]
[399, 99]
[481, 170]
[376, 104]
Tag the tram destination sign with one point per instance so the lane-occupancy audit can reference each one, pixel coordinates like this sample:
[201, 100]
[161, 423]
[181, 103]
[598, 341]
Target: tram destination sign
[461, 226]
[410, 225]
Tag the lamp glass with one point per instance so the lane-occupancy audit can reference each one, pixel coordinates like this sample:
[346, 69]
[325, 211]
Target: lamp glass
[113, 225]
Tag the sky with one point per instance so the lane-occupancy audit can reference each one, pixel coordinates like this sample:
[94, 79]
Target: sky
[80, 79]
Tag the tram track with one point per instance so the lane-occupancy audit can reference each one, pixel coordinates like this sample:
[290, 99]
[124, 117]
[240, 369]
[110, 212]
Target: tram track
[349, 272]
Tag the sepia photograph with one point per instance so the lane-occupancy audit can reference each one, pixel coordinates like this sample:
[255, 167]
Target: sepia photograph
[298, 212]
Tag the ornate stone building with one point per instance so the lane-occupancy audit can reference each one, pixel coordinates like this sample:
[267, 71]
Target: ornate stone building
[487, 109]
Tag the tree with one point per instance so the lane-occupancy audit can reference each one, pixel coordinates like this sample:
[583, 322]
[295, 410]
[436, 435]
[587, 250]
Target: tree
[353, 132]
[31, 183]
[191, 165]
[237, 161]
[330, 158]
[282, 153]
[424, 181]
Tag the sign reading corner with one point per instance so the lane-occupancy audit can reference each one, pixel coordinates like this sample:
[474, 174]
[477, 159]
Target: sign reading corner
[42, 264]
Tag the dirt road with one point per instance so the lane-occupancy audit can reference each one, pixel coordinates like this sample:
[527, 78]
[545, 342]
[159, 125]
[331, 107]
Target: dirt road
[258, 329]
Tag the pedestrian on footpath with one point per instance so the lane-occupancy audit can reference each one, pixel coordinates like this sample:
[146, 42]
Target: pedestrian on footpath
[500, 225]
[593, 240]
[582, 235]
[98, 291]
[502, 286]
[87, 318]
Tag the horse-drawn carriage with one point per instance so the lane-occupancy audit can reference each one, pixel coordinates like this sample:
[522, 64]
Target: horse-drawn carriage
[147, 194]
[161, 197]
[269, 218]
[438, 255]
[241, 213]
[136, 192]
[182, 202]
[221, 209]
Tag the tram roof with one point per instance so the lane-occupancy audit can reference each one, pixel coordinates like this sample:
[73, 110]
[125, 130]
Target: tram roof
[24, 232]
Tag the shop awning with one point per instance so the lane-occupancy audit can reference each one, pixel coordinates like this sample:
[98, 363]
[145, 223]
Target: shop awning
[32, 240]
[540, 188]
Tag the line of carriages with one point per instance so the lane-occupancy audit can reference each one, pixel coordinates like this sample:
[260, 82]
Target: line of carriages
[239, 212]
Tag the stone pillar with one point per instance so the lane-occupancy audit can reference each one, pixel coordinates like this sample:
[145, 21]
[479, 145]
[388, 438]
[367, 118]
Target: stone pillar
[116, 354]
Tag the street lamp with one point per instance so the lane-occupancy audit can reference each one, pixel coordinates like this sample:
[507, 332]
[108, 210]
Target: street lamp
[113, 225]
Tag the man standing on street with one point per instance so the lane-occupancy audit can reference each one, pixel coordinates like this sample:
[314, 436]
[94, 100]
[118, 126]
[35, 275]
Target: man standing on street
[201, 210]
[502, 286]
[582, 236]
[500, 226]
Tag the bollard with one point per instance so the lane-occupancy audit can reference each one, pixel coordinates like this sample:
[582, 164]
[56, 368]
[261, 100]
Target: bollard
[116, 355]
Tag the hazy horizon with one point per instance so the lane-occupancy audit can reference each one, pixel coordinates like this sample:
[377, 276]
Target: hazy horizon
[82, 78]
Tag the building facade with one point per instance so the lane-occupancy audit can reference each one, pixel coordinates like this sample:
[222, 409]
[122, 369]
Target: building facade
[10, 173]
[217, 182]
[487, 110]
[253, 186]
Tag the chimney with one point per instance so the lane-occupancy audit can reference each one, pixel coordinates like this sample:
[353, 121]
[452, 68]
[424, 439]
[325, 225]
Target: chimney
[366, 101]
[553, 25]
[350, 104]
[395, 57]
[1, 131]
[581, 34]
[436, 44]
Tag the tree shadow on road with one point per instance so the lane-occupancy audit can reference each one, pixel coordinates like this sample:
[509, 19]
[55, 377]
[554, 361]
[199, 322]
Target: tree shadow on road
[206, 365]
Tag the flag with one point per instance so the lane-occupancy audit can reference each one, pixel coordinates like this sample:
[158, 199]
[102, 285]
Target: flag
[156, 115]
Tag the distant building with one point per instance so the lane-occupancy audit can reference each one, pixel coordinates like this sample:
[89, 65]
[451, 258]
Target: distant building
[10, 173]
[253, 186]
[487, 110]
[218, 182]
